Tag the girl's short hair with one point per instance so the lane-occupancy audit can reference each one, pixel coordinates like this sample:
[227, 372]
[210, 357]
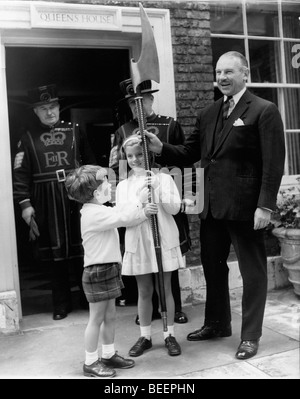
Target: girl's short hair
[82, 182]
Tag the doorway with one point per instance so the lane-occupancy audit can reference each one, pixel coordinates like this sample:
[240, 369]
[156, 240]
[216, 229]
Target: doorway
[88, 86]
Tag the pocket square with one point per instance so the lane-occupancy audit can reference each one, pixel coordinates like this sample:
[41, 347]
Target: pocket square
[238, 122]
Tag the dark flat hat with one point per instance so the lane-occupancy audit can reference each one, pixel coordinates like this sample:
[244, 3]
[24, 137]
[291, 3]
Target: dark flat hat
[43, 95]
[126, 87]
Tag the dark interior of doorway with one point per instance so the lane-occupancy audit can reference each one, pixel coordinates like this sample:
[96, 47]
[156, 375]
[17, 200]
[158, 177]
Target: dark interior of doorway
[88, 86]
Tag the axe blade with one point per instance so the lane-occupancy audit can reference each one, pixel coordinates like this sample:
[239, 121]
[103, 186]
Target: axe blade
[147, 67]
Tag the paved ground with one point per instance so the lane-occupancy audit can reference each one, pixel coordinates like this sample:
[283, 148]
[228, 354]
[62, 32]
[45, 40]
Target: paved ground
[54, 349]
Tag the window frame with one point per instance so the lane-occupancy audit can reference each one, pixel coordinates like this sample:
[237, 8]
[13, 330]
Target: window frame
[279, 86]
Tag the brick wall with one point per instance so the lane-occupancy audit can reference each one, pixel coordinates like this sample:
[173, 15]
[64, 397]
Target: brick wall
[190, 28]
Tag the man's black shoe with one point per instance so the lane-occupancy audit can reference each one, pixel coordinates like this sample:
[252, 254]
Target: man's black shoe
[60, 315]
[209, 332]
[247, 349]
[180, 318]
[140, 346]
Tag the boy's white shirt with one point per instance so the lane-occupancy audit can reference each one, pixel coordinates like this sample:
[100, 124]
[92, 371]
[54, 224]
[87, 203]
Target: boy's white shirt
[168, 200]
[100, 237]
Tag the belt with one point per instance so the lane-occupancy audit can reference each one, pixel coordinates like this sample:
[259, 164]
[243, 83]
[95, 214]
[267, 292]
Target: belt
[59, 176]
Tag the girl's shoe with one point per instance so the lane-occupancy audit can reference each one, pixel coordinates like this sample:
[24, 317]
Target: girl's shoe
[173, 346]
[140, 346]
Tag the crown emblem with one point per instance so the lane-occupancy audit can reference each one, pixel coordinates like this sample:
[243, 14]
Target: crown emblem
[53, 138]
[45, 97]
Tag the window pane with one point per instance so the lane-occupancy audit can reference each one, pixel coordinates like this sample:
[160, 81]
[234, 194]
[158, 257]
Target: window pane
[292, 61]
[290, 19]
[293, 152]
[292, 112]
[226, 18]
[269, 94]
[221, 46]
[265, 62]
[262, 19]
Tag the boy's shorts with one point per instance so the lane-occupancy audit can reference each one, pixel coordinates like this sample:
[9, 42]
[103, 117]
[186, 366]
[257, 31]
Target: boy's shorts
[102, 282]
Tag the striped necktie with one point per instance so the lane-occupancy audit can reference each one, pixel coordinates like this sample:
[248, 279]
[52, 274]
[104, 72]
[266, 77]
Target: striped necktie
[226, 107]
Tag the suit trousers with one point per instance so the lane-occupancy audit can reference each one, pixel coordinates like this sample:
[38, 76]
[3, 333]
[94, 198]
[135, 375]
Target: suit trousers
[61, 292]
[62, 271]
[216, 237]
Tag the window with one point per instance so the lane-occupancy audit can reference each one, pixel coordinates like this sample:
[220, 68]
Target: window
[268, 33]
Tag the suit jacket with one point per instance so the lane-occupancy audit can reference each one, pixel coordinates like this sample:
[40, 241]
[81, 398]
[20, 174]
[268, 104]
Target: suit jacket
[243, 170]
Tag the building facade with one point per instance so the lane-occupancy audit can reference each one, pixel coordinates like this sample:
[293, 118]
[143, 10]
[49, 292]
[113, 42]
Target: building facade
[85, 48]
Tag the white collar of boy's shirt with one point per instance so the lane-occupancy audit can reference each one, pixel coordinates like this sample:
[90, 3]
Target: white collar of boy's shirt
[237, 96]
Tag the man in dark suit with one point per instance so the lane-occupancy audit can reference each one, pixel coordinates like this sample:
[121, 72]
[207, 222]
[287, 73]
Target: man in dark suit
[240, 142]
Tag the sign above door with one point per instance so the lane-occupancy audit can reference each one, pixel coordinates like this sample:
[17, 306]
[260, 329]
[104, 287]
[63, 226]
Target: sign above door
[64, 16]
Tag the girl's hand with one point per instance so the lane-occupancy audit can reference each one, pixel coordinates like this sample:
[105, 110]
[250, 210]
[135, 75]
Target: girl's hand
[152, 180]
[150, 209]
[144, 194]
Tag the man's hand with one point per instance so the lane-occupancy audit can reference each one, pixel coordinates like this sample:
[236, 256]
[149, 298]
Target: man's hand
[27, 213]
[187, 205]
[262, 218]
[154, 144]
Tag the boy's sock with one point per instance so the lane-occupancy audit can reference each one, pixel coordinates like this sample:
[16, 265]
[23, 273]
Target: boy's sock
[108, 351]
[146, 331]
[91, 357]
[169, 332]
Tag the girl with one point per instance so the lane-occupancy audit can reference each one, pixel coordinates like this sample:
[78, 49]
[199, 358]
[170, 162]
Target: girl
[140, 258]
[101, 276]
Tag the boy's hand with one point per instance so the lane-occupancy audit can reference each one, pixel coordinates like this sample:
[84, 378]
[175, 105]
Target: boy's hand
[150, 209]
